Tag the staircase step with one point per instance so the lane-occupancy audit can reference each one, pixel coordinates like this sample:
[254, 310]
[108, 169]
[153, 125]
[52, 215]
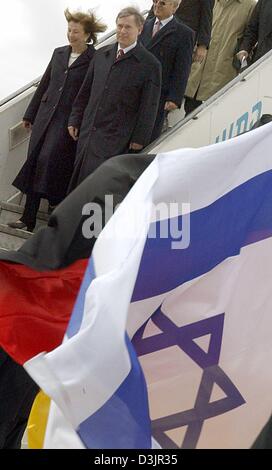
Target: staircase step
[12, 239]
[17, 209]
[19, 199]
[6, 217]
[15, 232]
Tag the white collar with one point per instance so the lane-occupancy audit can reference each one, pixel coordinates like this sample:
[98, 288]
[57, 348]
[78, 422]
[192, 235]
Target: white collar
[165, 21]
[129, 48]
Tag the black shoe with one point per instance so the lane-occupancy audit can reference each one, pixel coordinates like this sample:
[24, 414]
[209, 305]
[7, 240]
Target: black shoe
[19, 225]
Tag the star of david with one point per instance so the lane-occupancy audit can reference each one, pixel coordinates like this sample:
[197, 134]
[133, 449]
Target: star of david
[183, 337]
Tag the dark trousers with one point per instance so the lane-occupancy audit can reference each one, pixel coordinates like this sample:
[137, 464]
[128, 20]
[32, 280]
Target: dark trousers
[31, 209]
[190, 104]
[17, 393]
[158, 126]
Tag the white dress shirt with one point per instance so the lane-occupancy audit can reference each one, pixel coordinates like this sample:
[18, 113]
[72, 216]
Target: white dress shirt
[127, 49]
[163, 22]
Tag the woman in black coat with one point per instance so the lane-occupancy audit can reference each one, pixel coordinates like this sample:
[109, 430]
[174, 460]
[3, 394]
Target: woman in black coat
[49, 165]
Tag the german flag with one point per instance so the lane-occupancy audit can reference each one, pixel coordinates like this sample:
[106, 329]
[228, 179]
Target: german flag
[40, 281]
[39, 285]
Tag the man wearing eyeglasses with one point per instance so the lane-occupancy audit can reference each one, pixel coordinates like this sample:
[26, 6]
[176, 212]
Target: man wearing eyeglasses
[172, 43]
[197, 14]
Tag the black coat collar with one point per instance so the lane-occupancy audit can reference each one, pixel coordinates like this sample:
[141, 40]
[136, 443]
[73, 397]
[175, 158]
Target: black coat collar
[85, 57]
[111, 51]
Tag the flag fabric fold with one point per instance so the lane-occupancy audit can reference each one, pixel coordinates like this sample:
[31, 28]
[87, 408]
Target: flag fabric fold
[52, 263]
[198, 317]
[36, 307]
[169, 338]
[127, 408]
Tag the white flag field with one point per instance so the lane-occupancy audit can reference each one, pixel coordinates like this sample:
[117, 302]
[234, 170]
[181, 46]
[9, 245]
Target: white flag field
[169, 344]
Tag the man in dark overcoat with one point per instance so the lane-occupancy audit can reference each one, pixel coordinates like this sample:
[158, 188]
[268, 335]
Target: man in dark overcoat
[197, 14]
[172, 43]
[117, 104]
[258, 31]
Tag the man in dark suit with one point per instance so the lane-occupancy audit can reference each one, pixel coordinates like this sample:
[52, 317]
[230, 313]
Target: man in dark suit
[198, 15]
[117, 104]
[258, 34]
[172, 43]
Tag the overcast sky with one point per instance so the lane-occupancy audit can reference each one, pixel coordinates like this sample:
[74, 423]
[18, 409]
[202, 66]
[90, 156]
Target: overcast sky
[31, 29]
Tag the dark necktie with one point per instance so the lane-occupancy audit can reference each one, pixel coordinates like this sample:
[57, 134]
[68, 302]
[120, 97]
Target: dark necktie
[157, 27]
[120, 54]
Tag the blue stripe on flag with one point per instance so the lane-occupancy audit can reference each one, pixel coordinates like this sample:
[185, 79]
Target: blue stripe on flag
[123, 422]
[219, 231]
[78, 311]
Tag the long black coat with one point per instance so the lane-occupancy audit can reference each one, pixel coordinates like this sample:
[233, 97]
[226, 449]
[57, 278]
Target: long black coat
[197, 14]
[259, 30]
[173, 47]
[116, 105]
[52, 151]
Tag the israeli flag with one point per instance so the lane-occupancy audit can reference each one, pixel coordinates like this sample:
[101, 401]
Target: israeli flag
[169, 344]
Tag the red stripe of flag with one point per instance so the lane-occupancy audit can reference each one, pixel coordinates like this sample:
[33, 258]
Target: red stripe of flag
[35, 307]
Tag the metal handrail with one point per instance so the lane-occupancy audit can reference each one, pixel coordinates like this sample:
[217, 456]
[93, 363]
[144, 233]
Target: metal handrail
[20, 91]
[37, 80]
[242, 77]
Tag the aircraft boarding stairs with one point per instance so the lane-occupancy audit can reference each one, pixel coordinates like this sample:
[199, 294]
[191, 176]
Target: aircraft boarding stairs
[13, 149]
[233, 110]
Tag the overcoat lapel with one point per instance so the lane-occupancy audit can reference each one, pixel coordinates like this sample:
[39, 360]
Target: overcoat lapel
[165, 31]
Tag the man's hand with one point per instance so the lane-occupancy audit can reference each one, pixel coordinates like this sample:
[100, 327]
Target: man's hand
[27, 125]
[170, 106]
[242, 55]
[134, 146]
[200, 54]
[73, 131]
